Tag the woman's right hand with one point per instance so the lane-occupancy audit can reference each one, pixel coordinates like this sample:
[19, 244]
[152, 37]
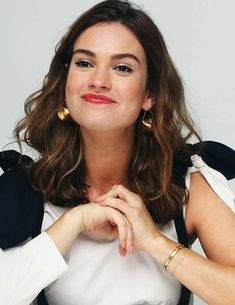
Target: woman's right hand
[108, 223]
[98, 221]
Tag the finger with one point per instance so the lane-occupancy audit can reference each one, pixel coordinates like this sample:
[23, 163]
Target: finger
[121, 223]
[121, 192]
[129, 240]
[122, 251]
[115, 232]
[118, 204]
[116, 191]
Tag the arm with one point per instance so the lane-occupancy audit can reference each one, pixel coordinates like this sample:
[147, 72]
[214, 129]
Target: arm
[212, 279]
[25, 270]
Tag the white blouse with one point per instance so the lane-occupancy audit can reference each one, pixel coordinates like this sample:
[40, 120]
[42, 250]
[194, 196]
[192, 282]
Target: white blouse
[93, 272]
[98, 275]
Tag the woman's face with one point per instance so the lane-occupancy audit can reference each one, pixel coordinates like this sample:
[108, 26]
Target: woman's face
[106, 84]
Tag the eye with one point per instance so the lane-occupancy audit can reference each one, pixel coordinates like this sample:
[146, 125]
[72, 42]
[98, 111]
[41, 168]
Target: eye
[123, 69]
[83, 64]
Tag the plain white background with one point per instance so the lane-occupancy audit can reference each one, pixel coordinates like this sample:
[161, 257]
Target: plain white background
[199, 35]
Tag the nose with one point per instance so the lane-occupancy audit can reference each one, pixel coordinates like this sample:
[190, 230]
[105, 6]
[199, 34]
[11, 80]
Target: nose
[99, 78]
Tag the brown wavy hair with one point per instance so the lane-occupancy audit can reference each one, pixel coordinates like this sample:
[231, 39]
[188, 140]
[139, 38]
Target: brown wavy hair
[59, 172]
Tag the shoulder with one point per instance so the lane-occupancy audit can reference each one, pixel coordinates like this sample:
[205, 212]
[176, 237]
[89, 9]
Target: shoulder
[211, 220]
[21, 206]
[202, 202]
[203, 168]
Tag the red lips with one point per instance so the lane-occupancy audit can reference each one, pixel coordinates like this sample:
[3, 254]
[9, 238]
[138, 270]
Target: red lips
[97, 99]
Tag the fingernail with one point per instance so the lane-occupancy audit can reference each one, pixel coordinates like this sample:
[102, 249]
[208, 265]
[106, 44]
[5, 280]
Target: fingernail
[122, 251]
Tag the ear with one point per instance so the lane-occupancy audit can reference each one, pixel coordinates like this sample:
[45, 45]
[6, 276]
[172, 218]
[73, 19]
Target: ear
[148, 103]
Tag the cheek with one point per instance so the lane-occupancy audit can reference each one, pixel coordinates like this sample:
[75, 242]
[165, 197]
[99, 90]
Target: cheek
[135, 88]
[71, 84]
[72, 91]
[75, 82]
[134, 95]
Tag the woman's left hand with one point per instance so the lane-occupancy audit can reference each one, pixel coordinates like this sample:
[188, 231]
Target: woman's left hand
[144, 229]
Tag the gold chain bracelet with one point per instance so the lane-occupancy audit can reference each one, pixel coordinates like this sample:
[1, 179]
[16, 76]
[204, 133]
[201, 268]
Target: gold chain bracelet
[171, 256]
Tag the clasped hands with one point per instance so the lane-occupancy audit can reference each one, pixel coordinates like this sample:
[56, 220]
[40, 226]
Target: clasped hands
[121, 214]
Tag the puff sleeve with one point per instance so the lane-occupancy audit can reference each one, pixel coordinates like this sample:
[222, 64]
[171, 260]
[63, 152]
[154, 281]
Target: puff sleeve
[214, 161]
[20, 206]
[215, 179]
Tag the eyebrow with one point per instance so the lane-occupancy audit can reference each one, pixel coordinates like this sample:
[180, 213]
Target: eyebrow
[113, 57]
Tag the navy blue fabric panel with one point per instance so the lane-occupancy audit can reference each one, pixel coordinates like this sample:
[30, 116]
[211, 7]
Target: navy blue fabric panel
[41, 298]
[183, 239]
[21, 207]
[216, 155]
[219, 157]
[10, 158]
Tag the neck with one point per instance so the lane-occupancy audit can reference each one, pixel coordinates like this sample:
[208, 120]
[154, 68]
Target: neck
[107, 157]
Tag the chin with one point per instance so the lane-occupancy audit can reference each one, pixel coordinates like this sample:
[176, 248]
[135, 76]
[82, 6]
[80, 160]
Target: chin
[105, 125]
[97, 127]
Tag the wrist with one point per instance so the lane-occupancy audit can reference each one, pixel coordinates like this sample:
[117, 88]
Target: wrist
[160, 247]
[76, 216]
[65, 229]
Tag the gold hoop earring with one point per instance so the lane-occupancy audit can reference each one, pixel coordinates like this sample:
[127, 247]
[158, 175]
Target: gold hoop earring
[63, 114]
[147, 124]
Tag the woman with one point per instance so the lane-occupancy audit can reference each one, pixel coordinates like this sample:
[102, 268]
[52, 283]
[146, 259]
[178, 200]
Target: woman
[115, 171]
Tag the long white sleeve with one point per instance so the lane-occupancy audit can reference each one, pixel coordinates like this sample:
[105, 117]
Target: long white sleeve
[27, 269]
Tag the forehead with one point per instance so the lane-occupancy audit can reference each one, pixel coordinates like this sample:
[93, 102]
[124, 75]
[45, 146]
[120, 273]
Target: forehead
[110, 38]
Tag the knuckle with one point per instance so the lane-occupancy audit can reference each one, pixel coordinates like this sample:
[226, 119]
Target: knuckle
[106, 201]
[119, 187]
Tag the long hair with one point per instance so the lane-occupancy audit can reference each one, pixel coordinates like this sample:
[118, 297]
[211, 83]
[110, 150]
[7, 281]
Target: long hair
[59, 172]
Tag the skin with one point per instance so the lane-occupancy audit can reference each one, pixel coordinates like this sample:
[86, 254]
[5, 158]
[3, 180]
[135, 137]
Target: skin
[112, 77]
[107, 132]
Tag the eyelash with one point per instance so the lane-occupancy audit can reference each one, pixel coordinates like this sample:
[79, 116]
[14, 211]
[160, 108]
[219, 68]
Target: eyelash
[127, 69]
[81, 63]
[78, 63]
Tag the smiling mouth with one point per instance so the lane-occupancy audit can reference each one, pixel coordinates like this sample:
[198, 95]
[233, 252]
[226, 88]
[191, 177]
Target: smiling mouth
[97, 99]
